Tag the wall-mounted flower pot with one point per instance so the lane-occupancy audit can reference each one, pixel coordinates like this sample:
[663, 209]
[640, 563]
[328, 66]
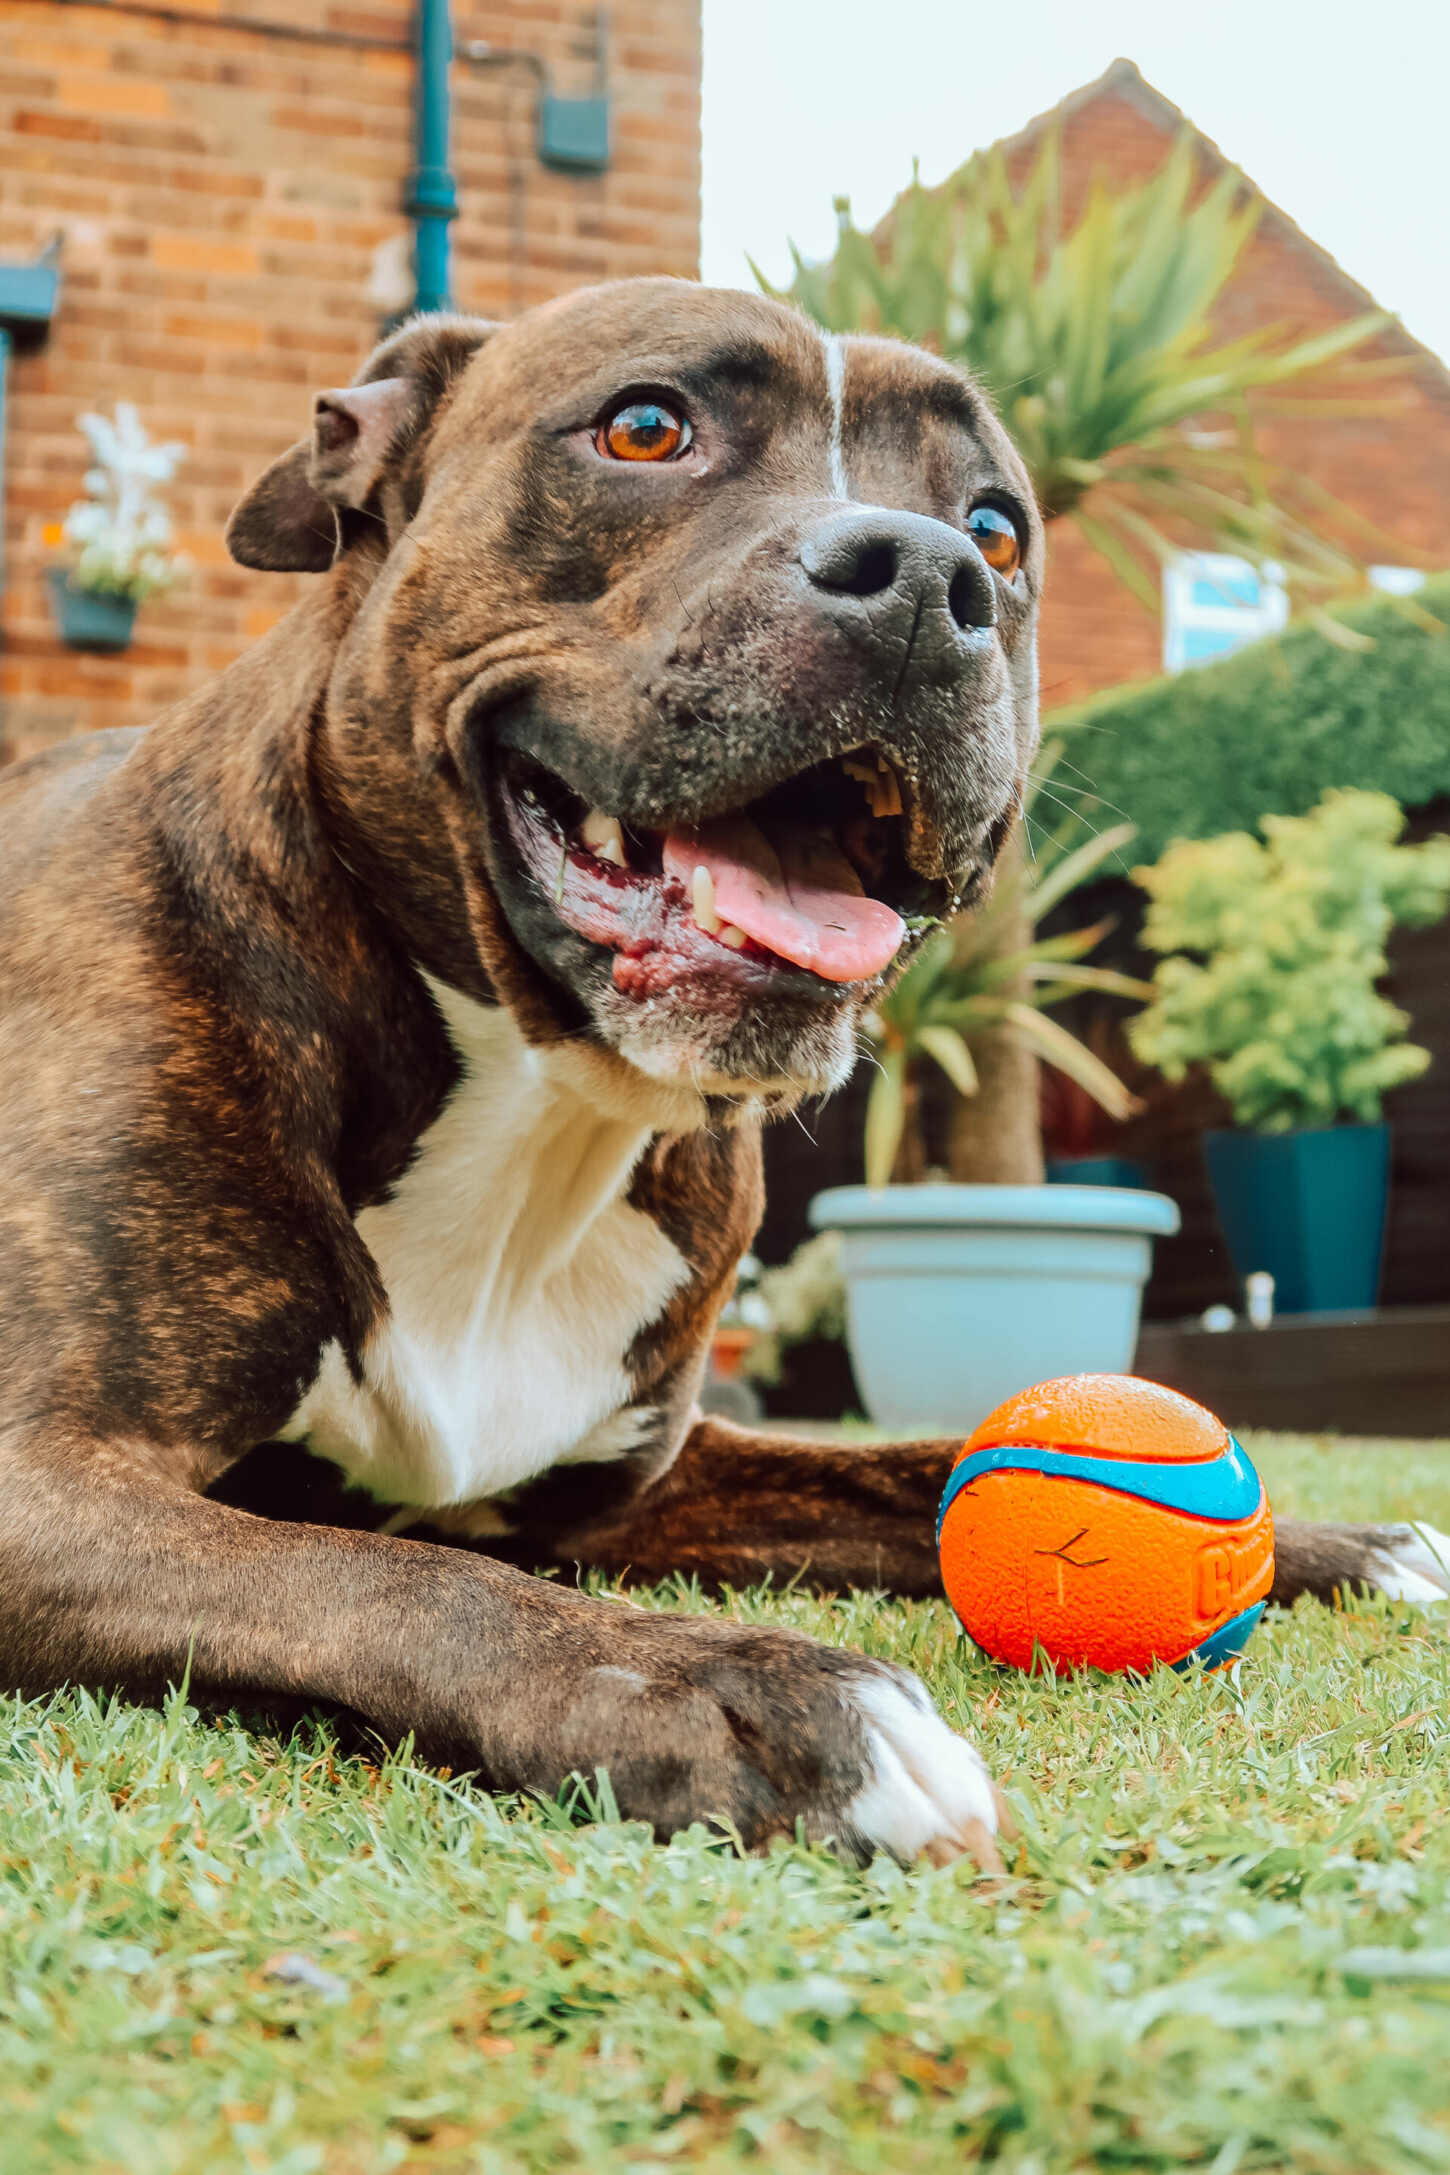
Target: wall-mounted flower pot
[86, 618]
[959, 1296]
[1309, 1207]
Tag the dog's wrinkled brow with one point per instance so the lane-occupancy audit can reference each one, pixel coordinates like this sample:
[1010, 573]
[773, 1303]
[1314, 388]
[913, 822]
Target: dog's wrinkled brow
[950, 400]
[742, 363]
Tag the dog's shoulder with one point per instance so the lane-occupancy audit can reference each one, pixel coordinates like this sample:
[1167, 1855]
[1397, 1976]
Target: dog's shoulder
[184, 1133]
[48, 799]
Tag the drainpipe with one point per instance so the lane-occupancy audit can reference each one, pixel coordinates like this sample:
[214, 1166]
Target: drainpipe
[432, 197]
[5, 346]
[28, 297]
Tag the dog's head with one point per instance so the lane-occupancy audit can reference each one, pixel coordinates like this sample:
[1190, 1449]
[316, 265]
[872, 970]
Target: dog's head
[688, 667]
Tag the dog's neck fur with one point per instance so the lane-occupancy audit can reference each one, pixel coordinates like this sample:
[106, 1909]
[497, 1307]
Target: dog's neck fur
[517, 1276]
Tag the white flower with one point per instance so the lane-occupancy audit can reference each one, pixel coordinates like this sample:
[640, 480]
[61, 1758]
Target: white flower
[121, 532]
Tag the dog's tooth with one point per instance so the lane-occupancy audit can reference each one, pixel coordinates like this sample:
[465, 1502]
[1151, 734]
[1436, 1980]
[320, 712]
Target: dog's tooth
[884, 793]
[604, 838]
[702, 892]
[878, 779]
[735, 938]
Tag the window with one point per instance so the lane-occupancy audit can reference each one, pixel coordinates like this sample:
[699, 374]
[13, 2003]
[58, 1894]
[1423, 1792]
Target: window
[1213, 604]
[1397, 581]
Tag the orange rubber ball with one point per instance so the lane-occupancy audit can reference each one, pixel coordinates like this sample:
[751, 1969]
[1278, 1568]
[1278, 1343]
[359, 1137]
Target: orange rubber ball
[1107, 1523]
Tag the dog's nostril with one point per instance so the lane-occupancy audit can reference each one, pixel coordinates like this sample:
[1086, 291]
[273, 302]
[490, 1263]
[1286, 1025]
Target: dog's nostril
[852, 566]
[873, 571]
[969, 599]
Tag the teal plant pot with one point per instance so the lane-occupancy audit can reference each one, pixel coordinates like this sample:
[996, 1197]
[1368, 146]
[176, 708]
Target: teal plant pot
[1096, 1170]
[959, 1296]
[1309, 1207]
[88, 620]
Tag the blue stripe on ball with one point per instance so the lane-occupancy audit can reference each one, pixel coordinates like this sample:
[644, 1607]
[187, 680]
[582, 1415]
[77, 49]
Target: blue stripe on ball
[1225, 1644]
[1225, 1487]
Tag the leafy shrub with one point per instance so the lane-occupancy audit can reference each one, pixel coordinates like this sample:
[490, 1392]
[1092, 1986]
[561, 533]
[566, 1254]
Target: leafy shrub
[1290, 933]
[1274, 726]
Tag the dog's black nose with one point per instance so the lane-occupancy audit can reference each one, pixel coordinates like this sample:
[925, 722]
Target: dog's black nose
[899, 577]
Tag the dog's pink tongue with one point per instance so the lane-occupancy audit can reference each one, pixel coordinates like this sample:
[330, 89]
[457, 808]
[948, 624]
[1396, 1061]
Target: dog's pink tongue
[794, 892]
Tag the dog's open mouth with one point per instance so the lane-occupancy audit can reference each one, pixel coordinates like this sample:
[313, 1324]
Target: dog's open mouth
[811, 876]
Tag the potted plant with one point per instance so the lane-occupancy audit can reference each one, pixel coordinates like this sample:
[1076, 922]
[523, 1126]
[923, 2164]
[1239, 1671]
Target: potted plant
[119, 534]
[1272, 950]
[959, 1295]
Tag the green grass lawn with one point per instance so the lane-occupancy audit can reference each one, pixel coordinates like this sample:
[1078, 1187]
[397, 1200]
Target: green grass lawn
[1225, 1944]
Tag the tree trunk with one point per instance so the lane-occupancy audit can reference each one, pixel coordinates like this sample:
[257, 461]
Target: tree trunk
[909, 1169]
[996, 1134]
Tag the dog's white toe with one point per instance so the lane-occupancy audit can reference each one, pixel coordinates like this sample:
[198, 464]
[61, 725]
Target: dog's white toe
[928, 1792]
[1413, 1563]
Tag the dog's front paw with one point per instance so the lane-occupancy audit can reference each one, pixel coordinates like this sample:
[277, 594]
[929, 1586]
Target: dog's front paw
[1411, 1562]
[771, 1732]
[927, 1793]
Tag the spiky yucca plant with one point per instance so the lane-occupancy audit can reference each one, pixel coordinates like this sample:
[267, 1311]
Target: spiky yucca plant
[1095, 339]
[1096, 343]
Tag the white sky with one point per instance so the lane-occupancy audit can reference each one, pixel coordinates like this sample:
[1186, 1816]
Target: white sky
[1340, 112]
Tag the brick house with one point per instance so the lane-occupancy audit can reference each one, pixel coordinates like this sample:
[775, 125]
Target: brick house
[228, 188]
[1392, 469]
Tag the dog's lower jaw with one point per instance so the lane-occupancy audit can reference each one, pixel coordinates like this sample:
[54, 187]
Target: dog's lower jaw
[692, 1057]
[756, 1061]
[729, 1044]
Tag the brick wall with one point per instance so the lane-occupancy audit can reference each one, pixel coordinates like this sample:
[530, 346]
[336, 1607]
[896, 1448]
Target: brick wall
[1392, 469]
[223, 194]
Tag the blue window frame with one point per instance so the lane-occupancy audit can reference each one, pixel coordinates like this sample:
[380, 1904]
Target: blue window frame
[1214, 604]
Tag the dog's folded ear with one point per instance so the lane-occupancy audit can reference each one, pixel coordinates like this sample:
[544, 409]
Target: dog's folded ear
[303, 509]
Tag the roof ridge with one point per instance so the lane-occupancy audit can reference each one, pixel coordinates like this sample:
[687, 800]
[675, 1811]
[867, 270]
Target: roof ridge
[1123, 78]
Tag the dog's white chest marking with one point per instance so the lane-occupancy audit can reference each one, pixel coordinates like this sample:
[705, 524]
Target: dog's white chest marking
[517, 1275]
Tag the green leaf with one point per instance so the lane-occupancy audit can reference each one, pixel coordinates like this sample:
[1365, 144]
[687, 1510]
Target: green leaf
[1100, 535]
[1053, 1043]
[952, 1054]
[1106, 980]
[1076, 867]
[885, 1117]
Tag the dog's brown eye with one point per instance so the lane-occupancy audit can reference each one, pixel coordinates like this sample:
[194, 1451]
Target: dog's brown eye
[644, 431]
[995, 536]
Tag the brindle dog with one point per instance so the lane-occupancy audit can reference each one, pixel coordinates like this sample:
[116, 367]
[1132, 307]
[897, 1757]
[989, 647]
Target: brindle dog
[388, 1030]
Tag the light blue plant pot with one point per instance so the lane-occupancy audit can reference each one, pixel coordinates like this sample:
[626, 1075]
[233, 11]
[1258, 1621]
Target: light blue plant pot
[959, 1296]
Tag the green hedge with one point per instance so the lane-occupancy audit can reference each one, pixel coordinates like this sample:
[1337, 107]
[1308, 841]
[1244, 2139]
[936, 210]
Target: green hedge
[1268, 730]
